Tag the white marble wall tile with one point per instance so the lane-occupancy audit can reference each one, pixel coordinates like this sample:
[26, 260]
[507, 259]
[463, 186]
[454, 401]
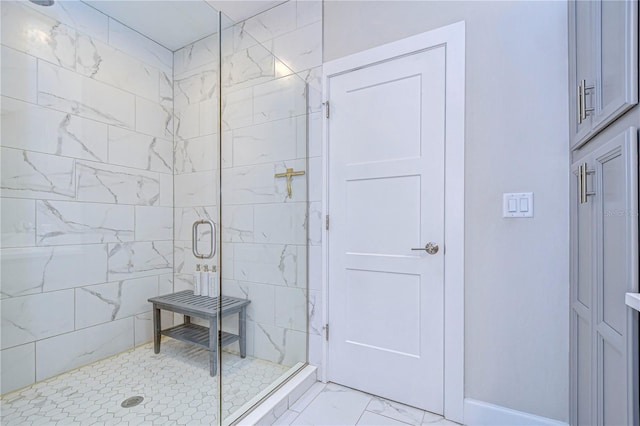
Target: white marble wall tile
[77, 15]
[187, 121]
[315, 268]
[166, 88]
[257, 184]
[235, 288]
[272, 23]
[300, 49]
[102, 62]
[316, 223]
[70, 92]
[196, 88]
[102, 303]
[316, 351]
[262, 308]
[139, 259]
[265, 143]
[227, 261]
[26, 174]
[28, 126]
[314, 312]
[266, 263]
[154, 223]
[227, 149]
[143, 327]
[278, 99]
[18, 218]
[197, 154]
[184, 260]
[195, 189]
[115, 184]
[154, 118]
[183, 282]
[302, 266]
[280, 345]
[38, 316]
[19, 75]
[131, 149]
[41, 269]
[280, 223]
[186, 216]
[237, 109]
[71, 350]
[165, 284]
[247, 68]
[313, 77]
[166, 190]
[63, 222]
[135, 44]
[313, 128]
[237, 224]
[315, 179]
[195, 55]
[18, 367]
[291, 308]
[31, 32]
[209, 117]
[308, 12]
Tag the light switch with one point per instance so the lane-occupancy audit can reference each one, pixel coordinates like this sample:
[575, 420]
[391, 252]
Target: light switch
[517, 204]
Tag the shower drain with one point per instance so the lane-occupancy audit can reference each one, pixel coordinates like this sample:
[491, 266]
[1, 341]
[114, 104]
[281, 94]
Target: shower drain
[132, 402]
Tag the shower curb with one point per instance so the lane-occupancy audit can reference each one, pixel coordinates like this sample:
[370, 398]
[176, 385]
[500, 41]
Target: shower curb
[276, 405]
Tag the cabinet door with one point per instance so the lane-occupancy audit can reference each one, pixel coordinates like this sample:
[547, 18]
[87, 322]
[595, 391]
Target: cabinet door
[603, 64]
[581, 60]
[582, 284]
[616, 61]
[615, 331]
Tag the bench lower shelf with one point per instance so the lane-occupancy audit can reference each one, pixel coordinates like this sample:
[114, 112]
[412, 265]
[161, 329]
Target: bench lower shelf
[197, 335]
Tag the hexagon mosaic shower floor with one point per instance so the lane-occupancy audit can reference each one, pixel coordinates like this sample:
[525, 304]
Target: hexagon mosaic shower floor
[175, 384]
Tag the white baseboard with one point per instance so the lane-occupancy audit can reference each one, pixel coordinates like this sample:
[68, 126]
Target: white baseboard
[479, 413]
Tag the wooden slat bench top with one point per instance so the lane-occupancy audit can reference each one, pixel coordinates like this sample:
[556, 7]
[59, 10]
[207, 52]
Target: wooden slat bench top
[200, 306]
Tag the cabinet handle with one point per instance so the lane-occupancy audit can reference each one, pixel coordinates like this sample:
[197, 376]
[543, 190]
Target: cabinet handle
[584, 111]
[579, 115]
[582, 183]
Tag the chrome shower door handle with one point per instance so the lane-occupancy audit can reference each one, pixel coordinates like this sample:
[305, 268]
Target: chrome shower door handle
[431, 248]
[194, 239]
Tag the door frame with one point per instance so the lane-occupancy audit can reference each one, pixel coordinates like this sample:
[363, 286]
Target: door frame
[453, 38]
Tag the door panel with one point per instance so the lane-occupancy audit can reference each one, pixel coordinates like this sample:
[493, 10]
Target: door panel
[386, 178]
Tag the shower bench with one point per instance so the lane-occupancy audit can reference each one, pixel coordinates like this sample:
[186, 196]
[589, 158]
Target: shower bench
[189, 305]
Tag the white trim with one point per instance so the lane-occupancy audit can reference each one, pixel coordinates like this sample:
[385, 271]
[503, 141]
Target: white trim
[477, 413]
[454, 37]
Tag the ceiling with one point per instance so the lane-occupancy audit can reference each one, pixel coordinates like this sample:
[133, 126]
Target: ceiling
[177, 23]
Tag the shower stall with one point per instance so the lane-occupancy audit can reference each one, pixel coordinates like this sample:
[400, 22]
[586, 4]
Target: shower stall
[142, 142]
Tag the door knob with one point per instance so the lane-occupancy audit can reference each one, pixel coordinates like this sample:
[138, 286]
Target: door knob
[431, 248]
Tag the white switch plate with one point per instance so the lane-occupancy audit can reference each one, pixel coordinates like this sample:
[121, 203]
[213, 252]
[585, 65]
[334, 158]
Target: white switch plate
[517, 204]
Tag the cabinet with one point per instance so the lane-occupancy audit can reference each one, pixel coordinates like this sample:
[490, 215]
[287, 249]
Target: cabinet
[604, 266]
[603, 64]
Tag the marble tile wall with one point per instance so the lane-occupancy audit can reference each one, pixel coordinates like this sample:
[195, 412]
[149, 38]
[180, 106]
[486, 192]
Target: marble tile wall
[86, 187]
[265, 129]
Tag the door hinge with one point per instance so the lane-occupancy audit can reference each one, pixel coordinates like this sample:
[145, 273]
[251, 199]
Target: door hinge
[326, 222]
[327, 108]
[326, 332]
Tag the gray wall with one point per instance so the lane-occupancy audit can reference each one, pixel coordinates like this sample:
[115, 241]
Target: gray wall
[517, 292]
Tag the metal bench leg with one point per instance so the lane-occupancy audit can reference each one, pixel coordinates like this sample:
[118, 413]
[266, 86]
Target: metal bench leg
[187, 319]
[213, 346]
[242, 332]
[156, 329]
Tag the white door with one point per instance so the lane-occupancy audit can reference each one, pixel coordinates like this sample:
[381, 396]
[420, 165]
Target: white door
[386, 136]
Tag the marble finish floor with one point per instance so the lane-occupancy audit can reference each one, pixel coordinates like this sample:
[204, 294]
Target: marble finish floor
[331, 404]
[175, 384]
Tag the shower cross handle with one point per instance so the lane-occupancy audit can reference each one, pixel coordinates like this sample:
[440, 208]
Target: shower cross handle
[194, 239]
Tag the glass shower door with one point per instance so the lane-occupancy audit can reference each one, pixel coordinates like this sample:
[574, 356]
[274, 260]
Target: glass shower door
[264, 213]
